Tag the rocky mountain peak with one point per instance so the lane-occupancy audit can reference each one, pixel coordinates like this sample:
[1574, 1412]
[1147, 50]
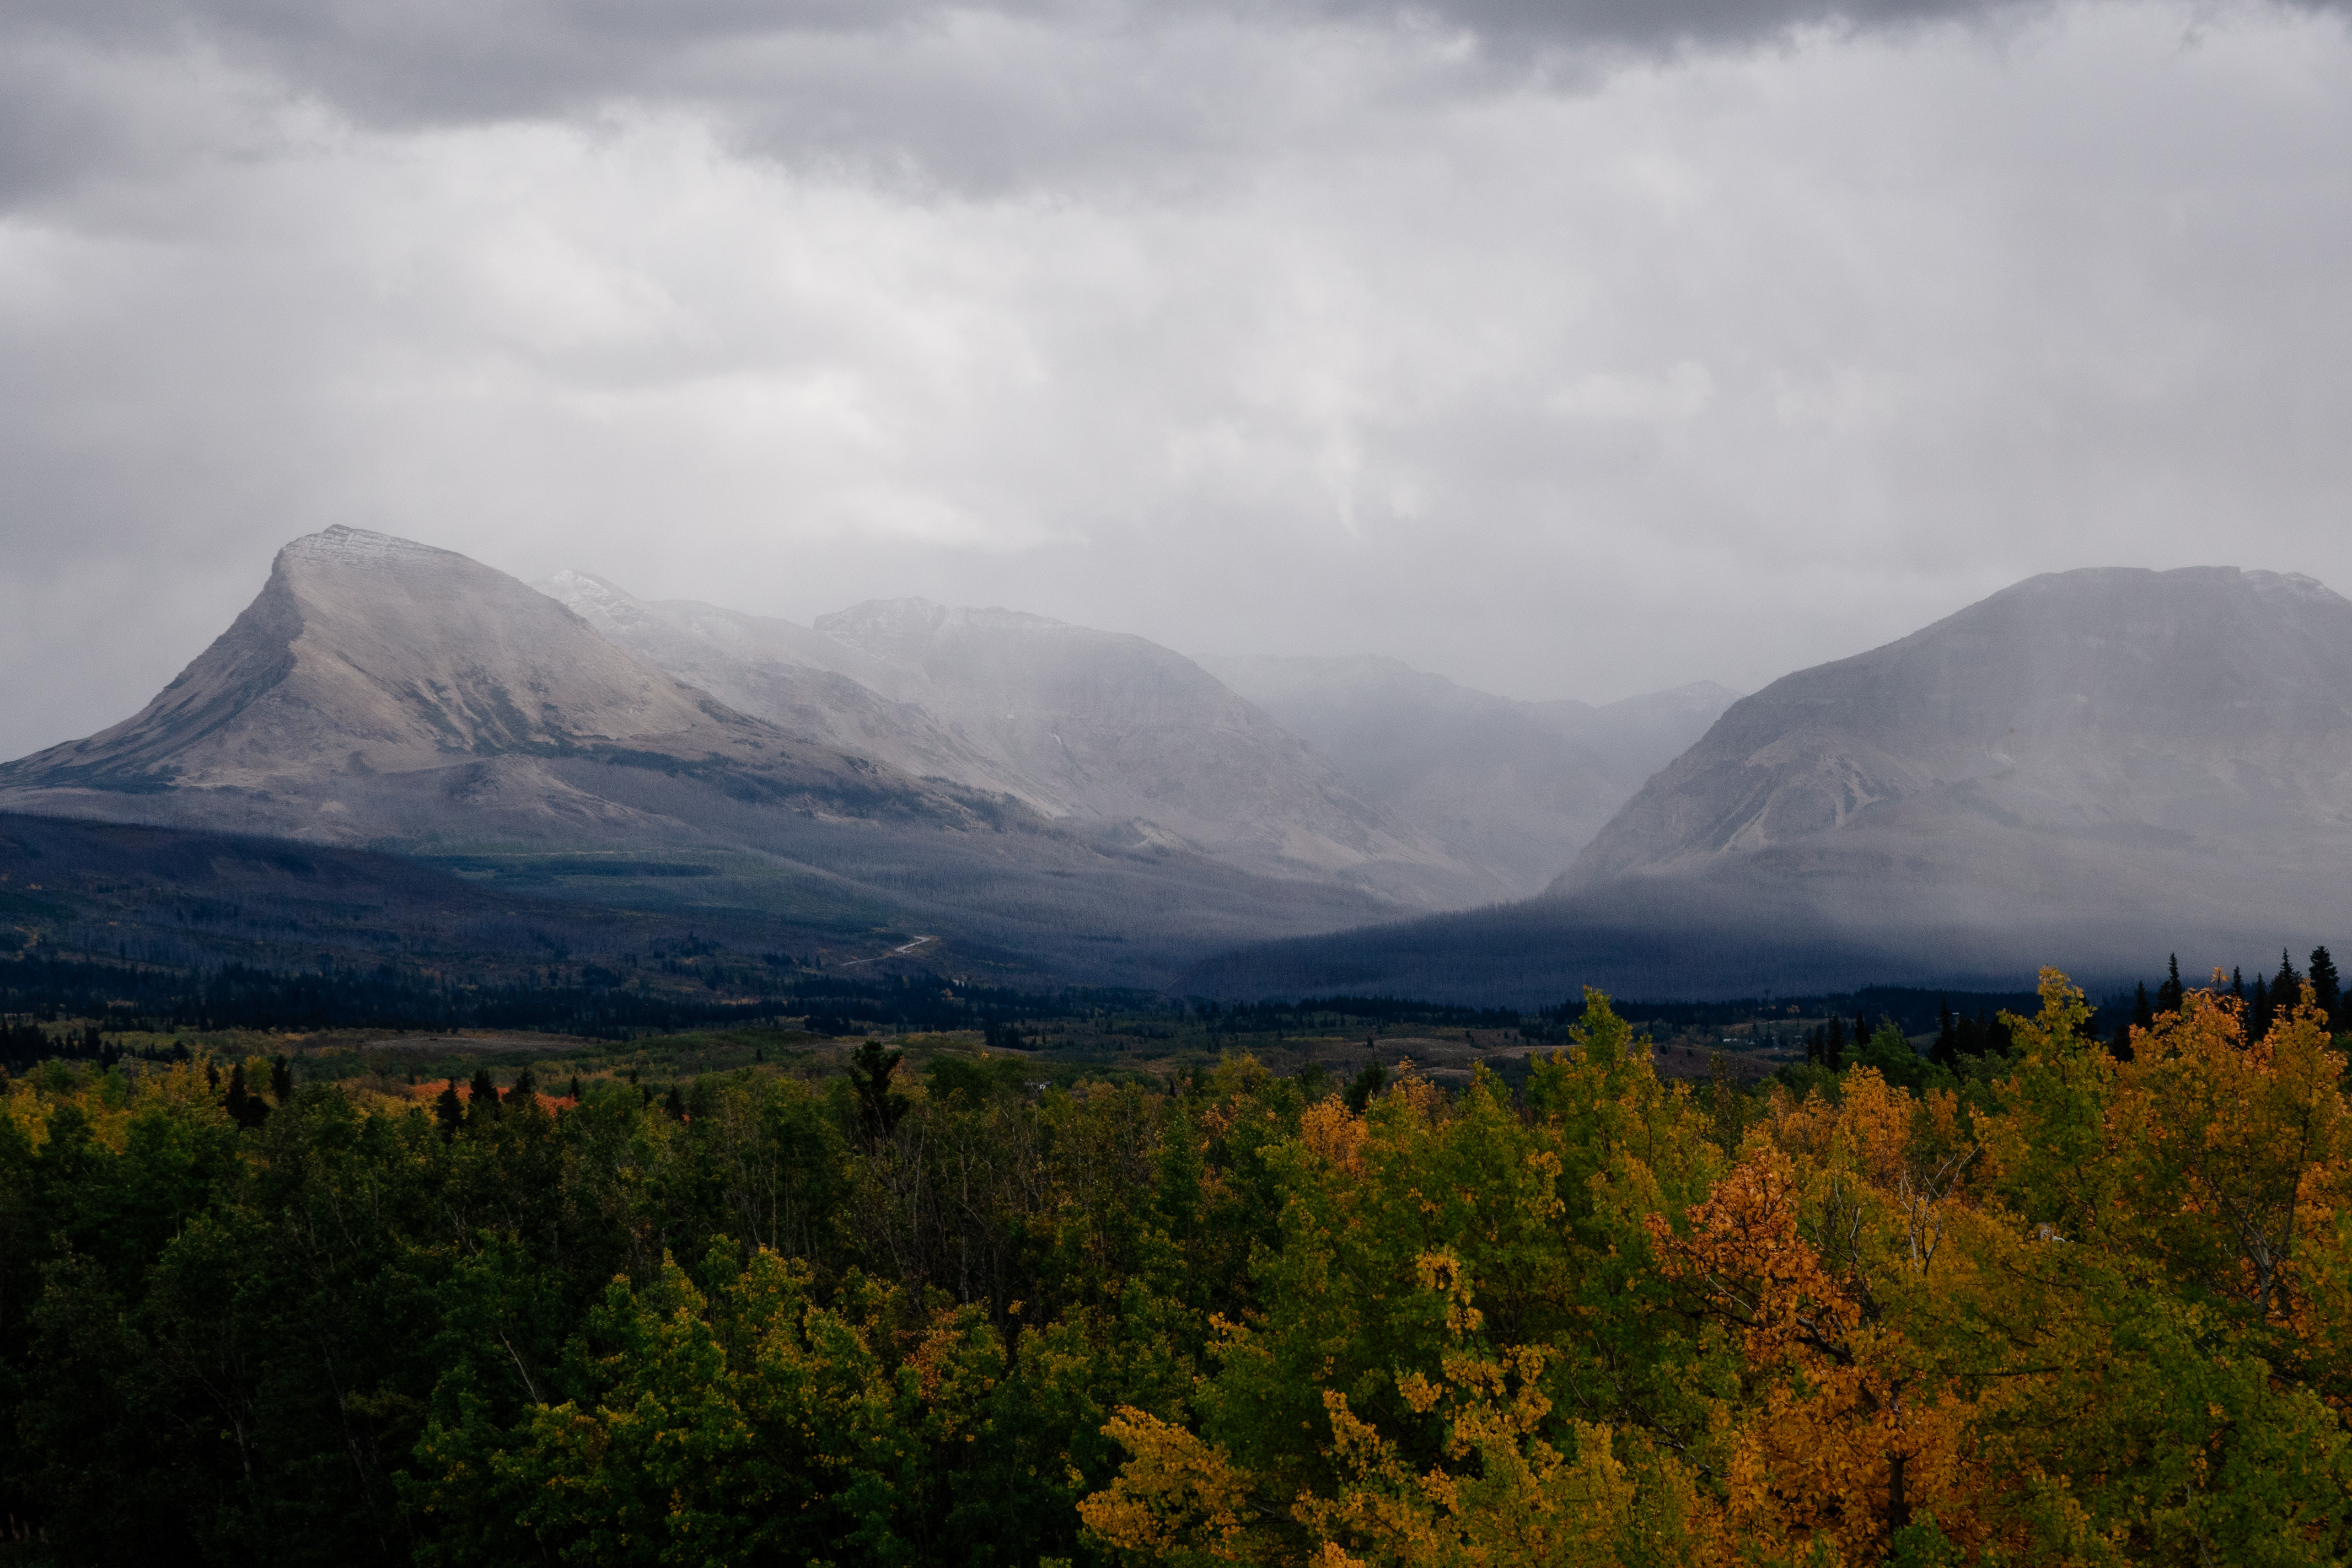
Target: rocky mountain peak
[375, 653]
[2203, 704]
[360, 550]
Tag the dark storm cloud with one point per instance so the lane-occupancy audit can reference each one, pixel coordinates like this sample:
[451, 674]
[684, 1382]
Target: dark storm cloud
[981, 97]
[444, 60]
[977, 97]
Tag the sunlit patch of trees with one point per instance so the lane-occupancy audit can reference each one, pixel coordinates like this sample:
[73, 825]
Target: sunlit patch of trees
[2087, 1302]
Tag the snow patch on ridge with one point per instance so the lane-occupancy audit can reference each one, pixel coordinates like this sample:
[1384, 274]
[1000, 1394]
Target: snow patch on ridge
[358, 547]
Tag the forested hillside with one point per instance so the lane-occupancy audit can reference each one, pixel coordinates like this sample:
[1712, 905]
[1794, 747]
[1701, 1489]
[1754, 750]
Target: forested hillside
[2046, 1304]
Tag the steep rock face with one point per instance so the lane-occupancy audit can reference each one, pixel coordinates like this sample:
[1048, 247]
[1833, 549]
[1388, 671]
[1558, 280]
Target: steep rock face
[2078, 731]
[1514, 788]
[371, 668]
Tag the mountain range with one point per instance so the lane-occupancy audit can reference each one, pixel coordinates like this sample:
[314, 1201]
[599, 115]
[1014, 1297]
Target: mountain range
[2090, 768]
[1057, 799]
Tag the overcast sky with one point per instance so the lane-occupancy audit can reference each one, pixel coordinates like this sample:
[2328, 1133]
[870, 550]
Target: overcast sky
[1564, 349]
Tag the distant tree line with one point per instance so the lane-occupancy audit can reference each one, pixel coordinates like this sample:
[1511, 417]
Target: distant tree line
[2267, 999]
[589, 1001]
[1343, 1012]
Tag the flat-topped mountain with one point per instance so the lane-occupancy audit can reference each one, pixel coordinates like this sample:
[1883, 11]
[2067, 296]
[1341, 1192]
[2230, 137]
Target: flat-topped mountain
[1108, 735]
[1514, 788]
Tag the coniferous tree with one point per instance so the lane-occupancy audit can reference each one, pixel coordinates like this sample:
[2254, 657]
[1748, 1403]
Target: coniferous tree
[482, 1096]
[1833, 1048]
[879, 1106]
[525, 1085]
[2169, 994]
[575, 1089]
[2286, 987]
[2143, 1016]
[242, 1107]
[281, 1079]
[2258, 1010]
[674, 1106]
[2238, 983]
[2326, 985]
[1946, 1050]
[447, 1111]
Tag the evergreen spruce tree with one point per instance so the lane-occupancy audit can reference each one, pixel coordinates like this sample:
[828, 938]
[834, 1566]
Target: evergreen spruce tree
[525, 1085]
[1946, 1053]
[575, 1089]
[674, 1106]
[447, 1111]
[2238, 983]
[240, 1104]
[2258, 1010]
[1833, 1048]
[482, 1096]
[281, 1079]
[879, 1106]
[2143, 1016]
[2327, 986]
[2287, 985]
[2170, 996]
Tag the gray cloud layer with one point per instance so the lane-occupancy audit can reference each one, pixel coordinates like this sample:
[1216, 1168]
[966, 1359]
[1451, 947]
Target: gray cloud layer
[954, 99]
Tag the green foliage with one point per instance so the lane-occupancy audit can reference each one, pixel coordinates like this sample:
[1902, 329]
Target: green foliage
[2059, 1306]
[1887, 1053]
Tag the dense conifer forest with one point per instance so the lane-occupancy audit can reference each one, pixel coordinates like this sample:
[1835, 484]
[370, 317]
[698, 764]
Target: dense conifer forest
[2071, 1294]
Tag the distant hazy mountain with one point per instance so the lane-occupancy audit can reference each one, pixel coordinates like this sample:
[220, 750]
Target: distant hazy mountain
[1108, 735]
[2099, 716]
[1514, 788]
[792, 675]
[2091, 768]
[384, 694]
